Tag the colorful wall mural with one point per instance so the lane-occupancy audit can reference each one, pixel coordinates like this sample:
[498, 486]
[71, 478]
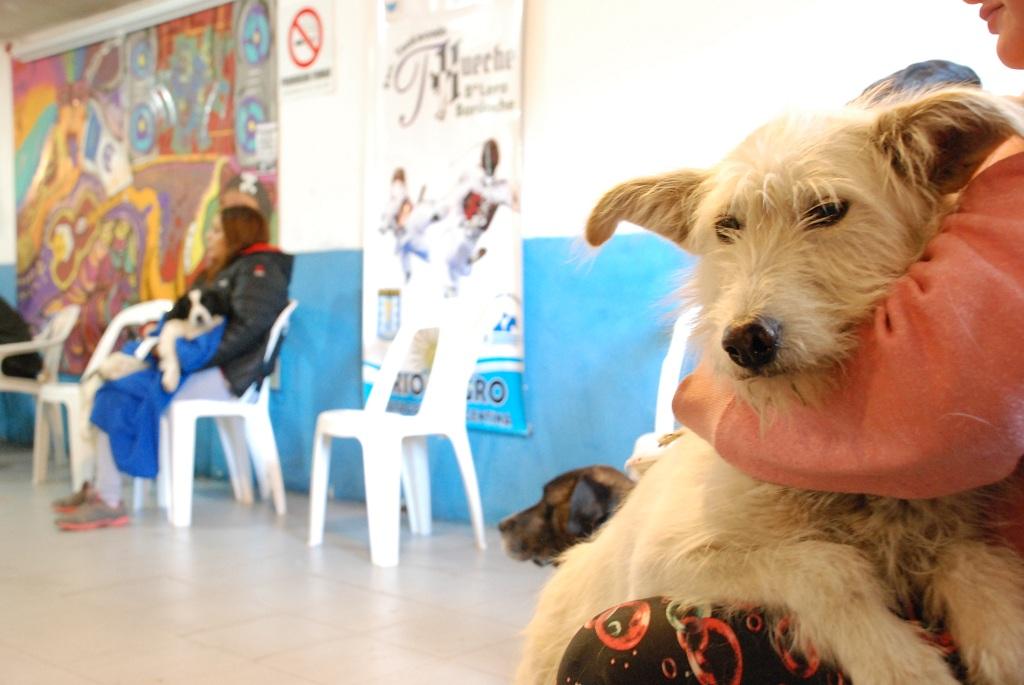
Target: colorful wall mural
[125, 151]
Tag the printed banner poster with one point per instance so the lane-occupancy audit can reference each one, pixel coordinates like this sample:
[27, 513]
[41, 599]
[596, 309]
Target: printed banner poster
[443, 219]
[124, 152]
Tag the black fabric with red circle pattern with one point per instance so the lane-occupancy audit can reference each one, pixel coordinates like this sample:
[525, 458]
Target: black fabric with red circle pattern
[655, 640]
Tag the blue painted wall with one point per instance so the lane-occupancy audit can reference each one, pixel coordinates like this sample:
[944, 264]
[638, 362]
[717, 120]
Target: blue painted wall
[8, 282]
[16, 410]
[596, 330]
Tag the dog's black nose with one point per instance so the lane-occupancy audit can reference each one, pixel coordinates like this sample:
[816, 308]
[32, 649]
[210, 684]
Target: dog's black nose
[753, 344]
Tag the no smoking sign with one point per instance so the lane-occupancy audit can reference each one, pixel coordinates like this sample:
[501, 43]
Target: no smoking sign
[305, 37]
[308, 31]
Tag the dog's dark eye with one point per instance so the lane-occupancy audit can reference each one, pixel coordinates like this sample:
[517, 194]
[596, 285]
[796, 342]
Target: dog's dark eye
[826, 214]
[725, 228]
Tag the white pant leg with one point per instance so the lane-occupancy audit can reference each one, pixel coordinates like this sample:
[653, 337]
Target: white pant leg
[108, 478]
[208, 384]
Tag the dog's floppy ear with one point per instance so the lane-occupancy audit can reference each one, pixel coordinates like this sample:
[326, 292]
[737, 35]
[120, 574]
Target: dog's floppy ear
[588, 506]
[940, 139]
[663, 204]
[180, 308]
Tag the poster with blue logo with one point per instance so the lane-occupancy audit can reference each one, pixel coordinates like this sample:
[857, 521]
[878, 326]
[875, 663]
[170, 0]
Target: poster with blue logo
[443, 220]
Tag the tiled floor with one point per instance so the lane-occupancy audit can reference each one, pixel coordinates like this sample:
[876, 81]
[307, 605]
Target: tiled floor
[239, 598]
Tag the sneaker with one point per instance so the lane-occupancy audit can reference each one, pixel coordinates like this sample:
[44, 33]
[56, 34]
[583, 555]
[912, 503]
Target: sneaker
[94, 514]
[66, 505]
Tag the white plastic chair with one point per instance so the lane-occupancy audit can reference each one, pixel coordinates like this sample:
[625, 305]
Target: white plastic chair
[55, 393]
[241, 423]
[646, 449]
[394, 445]
[50, 345]
[668, 381]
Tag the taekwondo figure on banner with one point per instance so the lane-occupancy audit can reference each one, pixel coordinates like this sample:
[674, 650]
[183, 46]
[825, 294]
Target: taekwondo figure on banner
[445, 235]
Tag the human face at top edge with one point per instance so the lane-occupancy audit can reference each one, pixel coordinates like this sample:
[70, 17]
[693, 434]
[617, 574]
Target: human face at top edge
[1005, 18]
[216, 245]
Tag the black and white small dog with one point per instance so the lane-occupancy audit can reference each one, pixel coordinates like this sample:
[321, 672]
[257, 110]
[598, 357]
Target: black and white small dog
[197, 312]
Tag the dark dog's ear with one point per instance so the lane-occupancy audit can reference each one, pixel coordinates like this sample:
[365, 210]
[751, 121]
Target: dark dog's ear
[940, 139]
[663, 204]
[589, 506]
[180, 309]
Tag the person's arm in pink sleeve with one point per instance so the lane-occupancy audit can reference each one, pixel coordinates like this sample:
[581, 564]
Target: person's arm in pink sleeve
[932, 402]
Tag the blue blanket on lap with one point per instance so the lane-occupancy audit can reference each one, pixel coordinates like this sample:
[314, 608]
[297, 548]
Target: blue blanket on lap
[128, 409]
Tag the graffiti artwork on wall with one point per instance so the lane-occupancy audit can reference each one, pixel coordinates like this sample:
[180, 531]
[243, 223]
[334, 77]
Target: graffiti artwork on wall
[125, 150]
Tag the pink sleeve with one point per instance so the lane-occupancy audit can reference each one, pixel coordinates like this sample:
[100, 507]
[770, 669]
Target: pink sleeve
[933, 401]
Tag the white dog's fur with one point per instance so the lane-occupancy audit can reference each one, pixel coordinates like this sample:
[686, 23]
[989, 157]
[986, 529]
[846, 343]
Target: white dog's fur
[697, 530]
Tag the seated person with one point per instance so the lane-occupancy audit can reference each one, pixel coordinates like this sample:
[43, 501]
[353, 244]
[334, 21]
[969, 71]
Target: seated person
[255, 277]
[13, 329]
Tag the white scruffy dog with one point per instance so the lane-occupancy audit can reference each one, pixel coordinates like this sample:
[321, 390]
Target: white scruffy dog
[801, 230]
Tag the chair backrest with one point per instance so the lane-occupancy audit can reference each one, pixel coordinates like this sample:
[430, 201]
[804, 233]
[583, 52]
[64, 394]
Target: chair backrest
[664, 419]
[274, 341]
[56, 331]
[462, 326]
[278, 331]
[132, 315]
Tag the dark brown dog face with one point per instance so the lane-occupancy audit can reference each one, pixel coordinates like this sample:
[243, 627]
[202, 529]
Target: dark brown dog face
[573, 506]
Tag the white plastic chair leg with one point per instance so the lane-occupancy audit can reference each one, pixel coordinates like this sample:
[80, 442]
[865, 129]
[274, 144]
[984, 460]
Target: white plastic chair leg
[276, 482]
[56, 421]
[183, 450]
[40, 444]
[165, 468]
[320, 472]
[416, 481]
[236, 454]
[80, 454]
[382, 471]
[139, 488]
[409, 496]
[253, 437]
[261, 438]
[464, 456]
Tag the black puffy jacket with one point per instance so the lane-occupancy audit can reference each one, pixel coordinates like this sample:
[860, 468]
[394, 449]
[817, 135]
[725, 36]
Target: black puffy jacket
[13, 329]
[256, 282]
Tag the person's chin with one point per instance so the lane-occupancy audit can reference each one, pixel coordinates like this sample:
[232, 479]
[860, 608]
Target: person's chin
[1011, 50]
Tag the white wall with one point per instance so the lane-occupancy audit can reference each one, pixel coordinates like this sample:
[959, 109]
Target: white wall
[8, 217]
[617, 89]
[322, 143]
